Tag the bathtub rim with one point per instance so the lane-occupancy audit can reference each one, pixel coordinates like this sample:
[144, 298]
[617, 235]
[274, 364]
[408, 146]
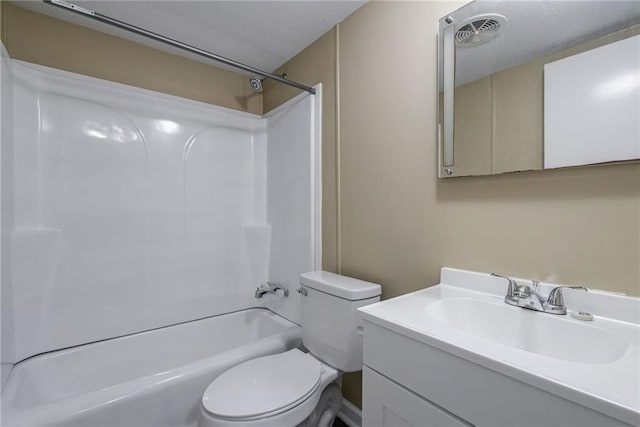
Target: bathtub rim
[12, 409]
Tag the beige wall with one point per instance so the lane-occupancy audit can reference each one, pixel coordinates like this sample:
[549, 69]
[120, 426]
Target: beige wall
[518, 116]
[498, 125]
[399, 224]
[473, 128]
[39, 39]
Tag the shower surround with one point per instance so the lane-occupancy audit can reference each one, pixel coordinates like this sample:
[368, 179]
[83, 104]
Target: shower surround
[126, 210]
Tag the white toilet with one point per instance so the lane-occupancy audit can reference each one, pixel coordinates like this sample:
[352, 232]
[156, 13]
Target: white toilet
[296, 388]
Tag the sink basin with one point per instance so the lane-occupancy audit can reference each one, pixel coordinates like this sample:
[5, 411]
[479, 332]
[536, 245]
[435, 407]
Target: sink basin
[543, 334]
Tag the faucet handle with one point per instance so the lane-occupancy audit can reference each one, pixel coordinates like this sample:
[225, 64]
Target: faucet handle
[511, 297]
[555, 301]
[555, 296]
[512, 284]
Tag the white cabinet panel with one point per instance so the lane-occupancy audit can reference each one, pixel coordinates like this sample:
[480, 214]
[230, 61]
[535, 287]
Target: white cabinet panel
[390, 405]
[592, 106]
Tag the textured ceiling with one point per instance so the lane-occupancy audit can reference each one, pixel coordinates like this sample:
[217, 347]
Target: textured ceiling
[263, 34]
[537, 28]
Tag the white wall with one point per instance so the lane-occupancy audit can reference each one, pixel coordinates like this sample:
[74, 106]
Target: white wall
[135, 210]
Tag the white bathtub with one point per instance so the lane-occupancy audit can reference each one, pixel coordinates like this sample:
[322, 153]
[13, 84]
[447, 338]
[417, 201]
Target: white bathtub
[153, 378]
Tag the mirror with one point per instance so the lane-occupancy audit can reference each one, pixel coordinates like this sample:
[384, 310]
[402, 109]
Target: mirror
[531, 85]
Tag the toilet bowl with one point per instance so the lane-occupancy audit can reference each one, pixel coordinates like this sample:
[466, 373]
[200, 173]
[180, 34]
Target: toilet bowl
[279, 390]
[296, 388]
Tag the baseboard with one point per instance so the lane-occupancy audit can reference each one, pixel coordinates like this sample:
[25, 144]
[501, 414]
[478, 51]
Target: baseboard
[350, 414]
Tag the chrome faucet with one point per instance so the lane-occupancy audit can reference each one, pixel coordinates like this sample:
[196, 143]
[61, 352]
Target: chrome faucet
[526, 296]
[270, 288]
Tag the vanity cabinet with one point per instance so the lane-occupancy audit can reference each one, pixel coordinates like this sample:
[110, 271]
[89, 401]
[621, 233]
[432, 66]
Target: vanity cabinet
[407, 382]
[390, 405]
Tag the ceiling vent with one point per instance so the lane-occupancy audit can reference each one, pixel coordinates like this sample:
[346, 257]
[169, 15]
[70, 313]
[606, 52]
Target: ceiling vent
[480, 29]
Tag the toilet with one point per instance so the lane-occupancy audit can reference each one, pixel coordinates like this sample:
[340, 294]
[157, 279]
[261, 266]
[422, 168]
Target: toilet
[296, 388]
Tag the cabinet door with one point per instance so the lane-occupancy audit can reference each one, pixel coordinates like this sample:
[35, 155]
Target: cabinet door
[591, 106]
[387, 404]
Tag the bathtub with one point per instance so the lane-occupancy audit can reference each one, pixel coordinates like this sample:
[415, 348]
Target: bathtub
[154, 378]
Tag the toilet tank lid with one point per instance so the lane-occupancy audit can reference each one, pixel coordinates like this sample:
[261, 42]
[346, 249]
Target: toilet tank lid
[340, 286]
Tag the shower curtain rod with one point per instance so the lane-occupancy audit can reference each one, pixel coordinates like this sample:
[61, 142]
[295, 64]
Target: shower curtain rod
[175, 43]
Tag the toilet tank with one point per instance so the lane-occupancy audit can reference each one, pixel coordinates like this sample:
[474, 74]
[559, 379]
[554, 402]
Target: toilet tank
[331, 327]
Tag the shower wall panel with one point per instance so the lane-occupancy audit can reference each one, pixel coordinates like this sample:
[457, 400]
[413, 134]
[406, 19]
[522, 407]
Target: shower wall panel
[293, 195]
[131, 209]
[7, 347]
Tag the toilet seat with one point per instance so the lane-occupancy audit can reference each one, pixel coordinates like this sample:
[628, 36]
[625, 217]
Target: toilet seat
[263, 387]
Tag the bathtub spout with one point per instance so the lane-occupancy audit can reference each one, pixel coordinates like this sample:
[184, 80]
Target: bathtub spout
[271, 288]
